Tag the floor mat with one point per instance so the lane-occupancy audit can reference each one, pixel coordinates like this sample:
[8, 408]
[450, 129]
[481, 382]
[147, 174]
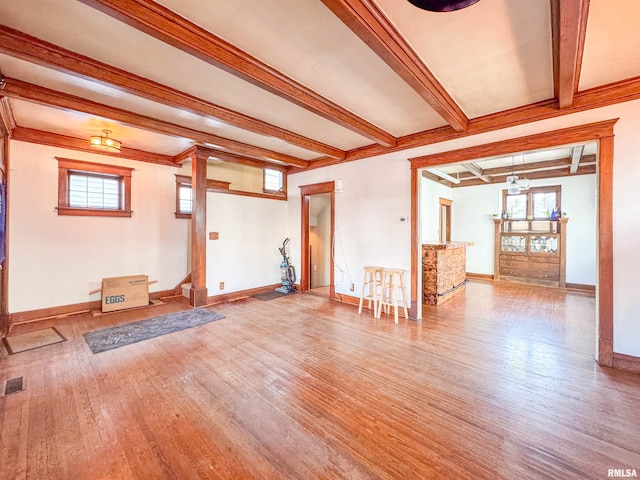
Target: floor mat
[31, 340]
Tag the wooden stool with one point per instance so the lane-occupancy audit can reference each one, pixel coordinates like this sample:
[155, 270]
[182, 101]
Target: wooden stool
[392, 286]
[372, 278]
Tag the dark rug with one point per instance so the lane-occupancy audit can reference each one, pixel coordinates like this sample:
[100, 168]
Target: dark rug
[114, 337]
[269, 295]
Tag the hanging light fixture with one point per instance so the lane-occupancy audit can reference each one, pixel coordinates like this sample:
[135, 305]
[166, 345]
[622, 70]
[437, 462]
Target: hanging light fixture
[105, 142]
[512, 180]
[442, 5]
[523, 183]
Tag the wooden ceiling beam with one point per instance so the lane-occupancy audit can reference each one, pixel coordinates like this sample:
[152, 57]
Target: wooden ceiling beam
[576, 156]
[435, 178]
[539, 175]
[238, 159]
[82, 144]
[529, 167]
[369, 23]
[476, 171]
[7, 118]
[169, 27]
[569, 27]
[611, 94]
[45, 96]
[34, 50]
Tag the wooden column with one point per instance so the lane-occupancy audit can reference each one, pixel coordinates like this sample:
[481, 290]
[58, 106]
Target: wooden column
[4, 267]
[198, 292]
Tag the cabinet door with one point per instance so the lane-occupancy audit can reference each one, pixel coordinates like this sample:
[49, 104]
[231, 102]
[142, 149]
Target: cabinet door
[544, 244]
[513, 243]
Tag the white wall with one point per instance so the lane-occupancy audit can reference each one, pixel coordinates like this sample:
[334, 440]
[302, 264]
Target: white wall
[251, 231]
[368, 232]
[377, 190]
[430, 194]
[472, 221]
[56, 260]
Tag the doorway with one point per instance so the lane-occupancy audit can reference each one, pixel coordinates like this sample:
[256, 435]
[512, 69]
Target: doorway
[318, 227]
[601, 132]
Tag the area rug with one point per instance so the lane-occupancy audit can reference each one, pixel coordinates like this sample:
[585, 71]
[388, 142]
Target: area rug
[269, 295]
[31, 340]
[121, 335]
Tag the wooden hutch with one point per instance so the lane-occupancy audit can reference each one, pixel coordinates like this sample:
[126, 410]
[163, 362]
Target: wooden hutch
[531, 251]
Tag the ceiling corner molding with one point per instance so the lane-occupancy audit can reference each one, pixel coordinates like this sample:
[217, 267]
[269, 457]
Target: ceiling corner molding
[7, 118]
[41, 137]
[569, 27]
[169, 27]
[370, 24]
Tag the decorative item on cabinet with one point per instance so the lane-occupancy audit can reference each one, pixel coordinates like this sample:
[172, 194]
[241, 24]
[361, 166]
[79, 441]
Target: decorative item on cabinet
[531, 251]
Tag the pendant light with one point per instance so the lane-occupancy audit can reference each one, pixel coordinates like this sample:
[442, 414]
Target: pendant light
[512, 180]
[523, 183]
[442, 5]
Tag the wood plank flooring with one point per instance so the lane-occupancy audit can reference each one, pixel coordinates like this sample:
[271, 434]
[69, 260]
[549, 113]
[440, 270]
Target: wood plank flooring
[499, 382]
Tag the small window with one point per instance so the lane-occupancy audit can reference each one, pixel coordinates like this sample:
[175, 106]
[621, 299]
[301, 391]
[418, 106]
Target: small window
[273, 181]
[537, 203]
[94, 189]
[184, 197]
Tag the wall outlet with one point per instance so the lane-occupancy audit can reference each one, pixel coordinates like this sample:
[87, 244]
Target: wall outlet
[221, 285]
[353, 287]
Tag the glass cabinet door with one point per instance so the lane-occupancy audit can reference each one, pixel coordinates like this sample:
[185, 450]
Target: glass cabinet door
[543, 244]
[513, 243]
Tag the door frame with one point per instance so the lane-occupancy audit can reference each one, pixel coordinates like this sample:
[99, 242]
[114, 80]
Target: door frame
[600, 131]
[305, 192]
[446, 203]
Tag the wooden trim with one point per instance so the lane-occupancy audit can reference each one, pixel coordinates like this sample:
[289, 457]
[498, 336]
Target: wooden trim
[582, 286]
[348, 299]
[5, 322]
[367, 21]
[169, 27]
[239, 159]
[41, 137]
[568, 46]
[212, 185]
[93, 212]
[31, 49]
[198, 292]
[305, 192]
[30, 316]
[415, 246]
[594, 131]
[82, 166]
[445, 202]
[324, 187]
[232, 296]
[591, 131]
[541, 174]
[7, 117]
[605, 251]
[626, 363]
[178, 288]
[46, 96]
[479, 276]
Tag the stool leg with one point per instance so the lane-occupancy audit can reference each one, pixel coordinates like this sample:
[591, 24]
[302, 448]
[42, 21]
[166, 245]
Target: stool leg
[395, 301]
[404, 297]
[364, 283]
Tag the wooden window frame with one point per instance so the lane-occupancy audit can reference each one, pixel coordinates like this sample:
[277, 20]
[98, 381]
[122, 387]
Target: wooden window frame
[557, 189]
[67, 166]
[181, 181]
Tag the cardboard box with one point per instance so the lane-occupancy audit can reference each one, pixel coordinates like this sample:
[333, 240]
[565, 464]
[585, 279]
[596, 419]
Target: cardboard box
[125, 292]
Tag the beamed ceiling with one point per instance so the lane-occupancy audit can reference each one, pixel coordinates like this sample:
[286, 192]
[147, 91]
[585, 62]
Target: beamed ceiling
[305, 83]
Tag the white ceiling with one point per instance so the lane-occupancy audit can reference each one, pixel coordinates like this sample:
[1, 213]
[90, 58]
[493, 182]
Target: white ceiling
[493, 56]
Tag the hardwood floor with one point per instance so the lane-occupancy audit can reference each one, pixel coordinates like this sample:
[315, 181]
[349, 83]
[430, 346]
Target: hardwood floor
[499, 382]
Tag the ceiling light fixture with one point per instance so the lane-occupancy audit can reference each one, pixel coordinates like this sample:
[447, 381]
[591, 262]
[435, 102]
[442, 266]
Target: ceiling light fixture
[442, 5]
[512, 180]
[105, 142]
[523, 183]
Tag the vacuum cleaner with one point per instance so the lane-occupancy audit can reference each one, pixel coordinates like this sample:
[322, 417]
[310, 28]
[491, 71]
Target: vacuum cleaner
[287, 272]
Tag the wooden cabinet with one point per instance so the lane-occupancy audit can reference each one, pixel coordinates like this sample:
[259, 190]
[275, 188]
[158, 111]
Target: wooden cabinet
[532, 251]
